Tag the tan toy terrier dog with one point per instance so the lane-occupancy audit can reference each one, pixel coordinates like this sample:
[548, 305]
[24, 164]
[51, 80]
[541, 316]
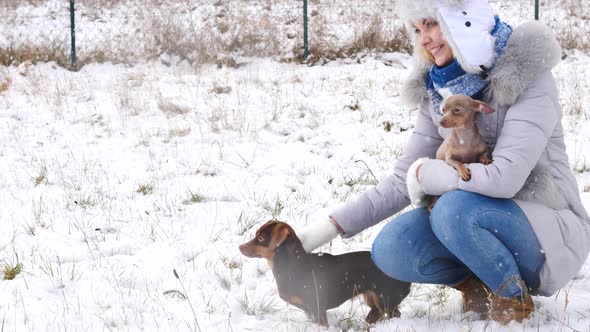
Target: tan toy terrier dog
[464, 144]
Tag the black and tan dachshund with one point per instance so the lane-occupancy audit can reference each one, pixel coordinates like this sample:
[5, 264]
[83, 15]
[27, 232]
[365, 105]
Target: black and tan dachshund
[318, 282]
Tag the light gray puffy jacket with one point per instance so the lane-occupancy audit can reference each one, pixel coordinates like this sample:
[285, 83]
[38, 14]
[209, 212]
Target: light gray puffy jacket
[525, 130]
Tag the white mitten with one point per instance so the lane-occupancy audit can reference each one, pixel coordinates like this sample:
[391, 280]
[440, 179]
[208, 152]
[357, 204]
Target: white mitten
[417, 195]
[317, 234]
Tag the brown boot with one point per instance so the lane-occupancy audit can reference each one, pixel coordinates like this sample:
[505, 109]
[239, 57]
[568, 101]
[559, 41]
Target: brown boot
[507, 309]
[474, 294]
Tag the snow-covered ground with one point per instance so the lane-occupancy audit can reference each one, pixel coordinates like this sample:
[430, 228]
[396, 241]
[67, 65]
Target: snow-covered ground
[115, 176]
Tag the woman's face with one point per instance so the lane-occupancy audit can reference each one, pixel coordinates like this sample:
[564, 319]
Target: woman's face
[431, 39]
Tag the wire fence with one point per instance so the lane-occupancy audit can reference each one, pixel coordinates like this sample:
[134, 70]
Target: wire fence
[203, 31]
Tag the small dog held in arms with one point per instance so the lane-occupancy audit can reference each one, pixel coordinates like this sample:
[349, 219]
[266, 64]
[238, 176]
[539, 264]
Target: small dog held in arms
[466, 145]
[318, 282]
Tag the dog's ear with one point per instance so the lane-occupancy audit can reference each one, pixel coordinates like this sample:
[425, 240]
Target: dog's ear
[482, 107]
[279, 234]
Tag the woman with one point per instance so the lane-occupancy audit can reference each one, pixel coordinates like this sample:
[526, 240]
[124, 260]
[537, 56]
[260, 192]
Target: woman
[479, 239]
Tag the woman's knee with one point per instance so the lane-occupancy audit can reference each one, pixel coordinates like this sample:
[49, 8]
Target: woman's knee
[397, 245]
[386, 253]
[452, 214]
[389, 241]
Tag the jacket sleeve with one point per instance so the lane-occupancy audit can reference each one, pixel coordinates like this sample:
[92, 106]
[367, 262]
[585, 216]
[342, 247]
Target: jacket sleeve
[390, 195]
[526, 131]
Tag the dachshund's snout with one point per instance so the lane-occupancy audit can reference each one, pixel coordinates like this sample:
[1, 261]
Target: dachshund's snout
[246, 250]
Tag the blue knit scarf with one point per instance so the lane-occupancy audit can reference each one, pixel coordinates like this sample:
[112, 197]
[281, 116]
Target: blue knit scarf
[456, 81]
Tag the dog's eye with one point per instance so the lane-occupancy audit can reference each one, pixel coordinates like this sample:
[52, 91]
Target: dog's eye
[260, 238]
[456, 110]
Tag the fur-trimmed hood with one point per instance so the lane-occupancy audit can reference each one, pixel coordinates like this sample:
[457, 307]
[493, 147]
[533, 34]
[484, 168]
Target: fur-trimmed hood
[531, 49]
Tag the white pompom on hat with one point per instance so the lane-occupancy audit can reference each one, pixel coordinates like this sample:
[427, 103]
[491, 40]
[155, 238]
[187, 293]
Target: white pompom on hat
[465, 25]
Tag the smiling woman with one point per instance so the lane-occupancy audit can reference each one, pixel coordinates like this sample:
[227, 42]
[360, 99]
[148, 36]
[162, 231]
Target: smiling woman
[483, 236]
[432, 40]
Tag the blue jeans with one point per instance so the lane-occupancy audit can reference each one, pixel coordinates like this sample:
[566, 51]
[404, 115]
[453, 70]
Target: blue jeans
[466, 234]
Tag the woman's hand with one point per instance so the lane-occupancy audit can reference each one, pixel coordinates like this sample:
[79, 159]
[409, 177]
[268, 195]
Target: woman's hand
[437, 177]
[318, 233]
[418, 173]
[415, 192]
[430, 177]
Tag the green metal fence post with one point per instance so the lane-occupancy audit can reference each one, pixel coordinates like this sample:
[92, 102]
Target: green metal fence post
[305, 41]
[73, 33]
[536, 10]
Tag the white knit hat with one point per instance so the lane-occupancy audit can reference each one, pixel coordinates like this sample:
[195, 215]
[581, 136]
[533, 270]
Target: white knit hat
[465, 25]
